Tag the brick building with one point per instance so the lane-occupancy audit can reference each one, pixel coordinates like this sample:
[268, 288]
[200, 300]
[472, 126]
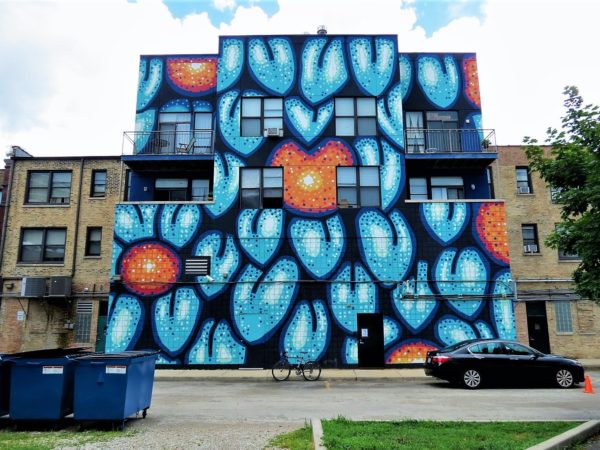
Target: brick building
[56, 250]
[550, 316]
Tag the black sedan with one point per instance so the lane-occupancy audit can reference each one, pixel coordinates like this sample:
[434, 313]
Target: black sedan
[475, 362]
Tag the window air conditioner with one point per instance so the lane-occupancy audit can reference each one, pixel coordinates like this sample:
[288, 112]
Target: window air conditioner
[60, 287]
[273, 132]
[531, 248]
[33, 287]
[524, 190]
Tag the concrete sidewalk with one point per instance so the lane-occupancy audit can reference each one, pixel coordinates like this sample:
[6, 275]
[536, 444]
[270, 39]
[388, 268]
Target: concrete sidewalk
[327, 374]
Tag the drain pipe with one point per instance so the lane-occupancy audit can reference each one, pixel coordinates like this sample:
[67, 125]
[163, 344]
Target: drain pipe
[6, 210]
[77, 214]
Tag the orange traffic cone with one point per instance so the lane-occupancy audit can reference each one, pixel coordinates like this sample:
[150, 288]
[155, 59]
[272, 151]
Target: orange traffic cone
[588, 389]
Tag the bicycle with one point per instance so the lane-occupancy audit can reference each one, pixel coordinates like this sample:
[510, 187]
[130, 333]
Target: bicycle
[310, 370]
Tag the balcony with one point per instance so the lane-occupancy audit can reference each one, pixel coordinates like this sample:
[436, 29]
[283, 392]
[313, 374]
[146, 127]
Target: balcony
[468, 148]
[151, 150]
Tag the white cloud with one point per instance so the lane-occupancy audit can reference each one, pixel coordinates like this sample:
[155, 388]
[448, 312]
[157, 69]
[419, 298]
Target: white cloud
[69, 69]
[222, 5]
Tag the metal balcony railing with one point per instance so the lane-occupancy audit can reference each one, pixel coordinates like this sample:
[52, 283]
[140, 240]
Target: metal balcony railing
[196, 142]
[421, 140]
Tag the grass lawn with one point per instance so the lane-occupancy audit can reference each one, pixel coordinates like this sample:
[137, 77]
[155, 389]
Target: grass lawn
[411, 434]
[49, 440]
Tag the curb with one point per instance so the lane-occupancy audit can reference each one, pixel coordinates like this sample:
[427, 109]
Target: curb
[317, 433]
[569, 437]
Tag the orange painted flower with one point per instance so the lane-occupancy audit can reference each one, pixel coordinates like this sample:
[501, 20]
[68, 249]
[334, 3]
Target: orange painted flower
[410, 353]
[471, 80]
[149, 269]
[490, 225]
[192, 75]
[310, 179]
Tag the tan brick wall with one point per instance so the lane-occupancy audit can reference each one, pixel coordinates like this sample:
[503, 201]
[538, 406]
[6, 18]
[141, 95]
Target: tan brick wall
[45, 319]
[552, 275]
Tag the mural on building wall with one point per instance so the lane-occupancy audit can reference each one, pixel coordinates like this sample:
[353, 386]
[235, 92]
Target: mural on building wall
[295, 278]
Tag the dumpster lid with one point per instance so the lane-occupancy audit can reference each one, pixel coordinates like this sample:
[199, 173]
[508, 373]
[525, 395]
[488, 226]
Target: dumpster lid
[48, 353]
[120, 355]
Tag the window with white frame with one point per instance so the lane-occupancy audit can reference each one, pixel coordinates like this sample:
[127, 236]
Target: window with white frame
[564, 320]
[418, 189]
[355, 116]
[358, 187]
[447, 188]
[260, 114]
[261, 187]
[184, 132]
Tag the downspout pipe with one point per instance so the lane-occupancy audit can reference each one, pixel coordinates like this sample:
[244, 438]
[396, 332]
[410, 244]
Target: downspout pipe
[78, 213]
[6, 210]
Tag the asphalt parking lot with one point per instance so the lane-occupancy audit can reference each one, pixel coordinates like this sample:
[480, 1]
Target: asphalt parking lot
[244, 413]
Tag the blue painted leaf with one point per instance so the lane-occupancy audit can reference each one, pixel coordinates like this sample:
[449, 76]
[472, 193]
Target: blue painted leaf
[226, 184]
[144, 124]
[179, 223]
[125, 324]
[467, 276]
[350, 351]
[373, 73]
[174, 318]
[449, 330]
[319, 249]
[484, 330]
[503, 312]
[260, 233]
[149, 81]
[441, 84]
[224, 262]
[386, 245]
[231, 62]
[391, 331]
[301, 119]
[176, 105]
[406, 75]
[226, 349]
[414, 302]
[229, 124]
[351, 293]
[165, 360]
[445, 221]
[308, 331]
[134, 222]
[275, 74]
[116, 253]
[260, 302]
[390, 116]
[322, 74]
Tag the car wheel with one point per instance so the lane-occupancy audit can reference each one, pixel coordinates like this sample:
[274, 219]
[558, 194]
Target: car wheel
[564, 378]
[471, 379]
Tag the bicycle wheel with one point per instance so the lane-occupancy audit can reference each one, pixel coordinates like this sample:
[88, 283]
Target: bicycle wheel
[311, 371]
[281, 371]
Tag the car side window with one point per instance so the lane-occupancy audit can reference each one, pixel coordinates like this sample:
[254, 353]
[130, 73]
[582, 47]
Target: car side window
[488, 348]
[516, 349]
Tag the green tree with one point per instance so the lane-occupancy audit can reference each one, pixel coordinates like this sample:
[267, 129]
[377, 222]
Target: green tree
[573, 169]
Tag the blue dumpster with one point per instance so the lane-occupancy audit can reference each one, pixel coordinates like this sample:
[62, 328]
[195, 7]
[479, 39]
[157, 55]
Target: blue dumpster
[41, 384]
[113, 386]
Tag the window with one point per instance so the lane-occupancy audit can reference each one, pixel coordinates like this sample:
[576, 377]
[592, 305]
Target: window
[178, 190]
[487, 348]
[259, 114]
[358, 186]
[176, 134]
[48, 187]
[93, 241]
[517, 349]
[523, 180]
[98, 183]
[564, 322]
[562, 254]
[442, 131]
[83, 320]
[355, 116]
[262, 188]
[415, 132]
[530, 238]
[441, 188]
[554, 191]
[490, 180]
[447, 188]
[39, 245]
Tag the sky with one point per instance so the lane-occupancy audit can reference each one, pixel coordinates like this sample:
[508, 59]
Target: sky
[69, 68]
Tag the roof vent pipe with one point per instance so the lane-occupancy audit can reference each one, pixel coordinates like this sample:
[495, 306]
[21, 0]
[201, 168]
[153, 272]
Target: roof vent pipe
[321, 29]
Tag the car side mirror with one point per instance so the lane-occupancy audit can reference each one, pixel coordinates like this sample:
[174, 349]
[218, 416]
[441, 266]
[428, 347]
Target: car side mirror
[534, 356]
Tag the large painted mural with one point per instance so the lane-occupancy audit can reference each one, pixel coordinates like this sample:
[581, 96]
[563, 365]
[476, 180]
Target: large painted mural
[295, 278]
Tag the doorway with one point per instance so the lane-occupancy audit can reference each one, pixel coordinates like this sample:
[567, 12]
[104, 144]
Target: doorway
[537, 326]
[102, 326]
[370, 340]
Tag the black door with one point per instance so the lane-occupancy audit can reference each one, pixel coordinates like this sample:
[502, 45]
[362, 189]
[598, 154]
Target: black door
[537, 326]
[370, 340]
